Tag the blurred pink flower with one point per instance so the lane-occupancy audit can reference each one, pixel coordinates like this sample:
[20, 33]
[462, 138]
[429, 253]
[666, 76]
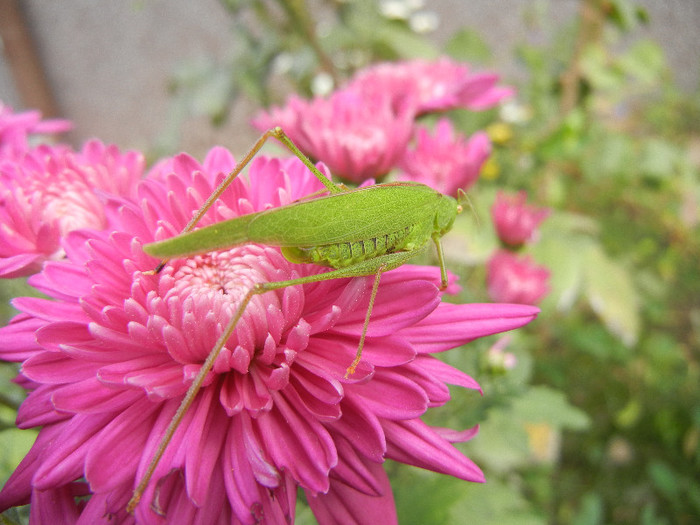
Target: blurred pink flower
[437, 85]
[445, 161]
[109, 356]
[516, 280]
[51, 190]
[497, 359]
[516, 222]
[16, 128]
[357, 136]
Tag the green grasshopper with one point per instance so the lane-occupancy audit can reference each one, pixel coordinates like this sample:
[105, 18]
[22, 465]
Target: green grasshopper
[381, 227]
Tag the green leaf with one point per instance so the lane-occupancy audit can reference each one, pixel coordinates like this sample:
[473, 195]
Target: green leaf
[423, 496]
[469, 46]
[664, 479]
[426, 497]
[405, 43]
[597, 67]
[659, 159]
[591, 511]
[494, 503]
[611, 293]
[645, 62]
[502, 443]
[14, 444]
[559, 253]
[610, 155]
[564, 236]
[541, 404]
[625, 14]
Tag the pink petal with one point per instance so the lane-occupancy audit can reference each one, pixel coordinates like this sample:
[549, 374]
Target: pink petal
[18, 339]
[206, 435]
[360, 427]
[298, 444]
[415, 443]
[20, 265]
[63, 461]
[444, 372]
[391, 395]
[344, 505]
[118, 447]
[55, 505]
[49, 310]
[38, 410]
[393, 310]
[453, 325]
[54, 368]
[93, 396]
[17, 490]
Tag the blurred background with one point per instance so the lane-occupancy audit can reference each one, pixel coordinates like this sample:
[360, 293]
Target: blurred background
[112, 67]
[598, 420]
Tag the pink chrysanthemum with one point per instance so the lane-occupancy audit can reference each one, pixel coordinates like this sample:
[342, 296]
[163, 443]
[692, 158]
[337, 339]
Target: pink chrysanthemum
[437, 85]
[51, 190]
[445, 161]
[357, 136]
[516, 280]
[516, 222]
[110, 355]
[16, 129]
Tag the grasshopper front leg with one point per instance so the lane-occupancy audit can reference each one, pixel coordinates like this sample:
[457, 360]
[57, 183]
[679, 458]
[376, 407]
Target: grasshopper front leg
[282, 137]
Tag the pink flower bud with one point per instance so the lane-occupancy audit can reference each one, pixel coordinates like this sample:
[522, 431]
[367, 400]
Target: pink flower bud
[516, 222]
[445, 161]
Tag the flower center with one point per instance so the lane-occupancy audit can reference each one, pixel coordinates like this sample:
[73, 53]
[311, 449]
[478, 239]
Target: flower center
[215, 273]
[69, 202]
[210, 289]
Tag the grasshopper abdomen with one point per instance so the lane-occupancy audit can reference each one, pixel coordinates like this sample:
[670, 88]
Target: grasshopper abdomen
[344, 254]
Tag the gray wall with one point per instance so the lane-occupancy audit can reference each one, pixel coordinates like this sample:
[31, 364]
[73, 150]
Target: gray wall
[108, 63]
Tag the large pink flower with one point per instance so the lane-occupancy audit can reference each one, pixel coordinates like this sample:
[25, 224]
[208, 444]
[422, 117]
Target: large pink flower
[437, 85]
[109, 356]
[358, 136]
[17, 128]
[445, 161]
[49, 191]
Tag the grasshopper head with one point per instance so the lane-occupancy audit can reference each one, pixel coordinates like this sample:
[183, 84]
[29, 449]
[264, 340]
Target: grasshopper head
[447, 210]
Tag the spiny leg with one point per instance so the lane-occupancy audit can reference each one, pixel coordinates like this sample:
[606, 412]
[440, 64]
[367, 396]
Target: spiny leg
[441, 261]
[191, 393]
[282, 137]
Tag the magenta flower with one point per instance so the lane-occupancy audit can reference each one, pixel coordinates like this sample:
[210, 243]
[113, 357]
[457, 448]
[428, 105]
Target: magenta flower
[359, 137]
[51, 190]
[16, 129]
[437, 85]
[445, 161]
[516, 280]
[516, 222]
[109, 356]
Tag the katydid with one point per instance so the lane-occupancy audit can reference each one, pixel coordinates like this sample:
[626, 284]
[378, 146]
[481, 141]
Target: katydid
[356, 232]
